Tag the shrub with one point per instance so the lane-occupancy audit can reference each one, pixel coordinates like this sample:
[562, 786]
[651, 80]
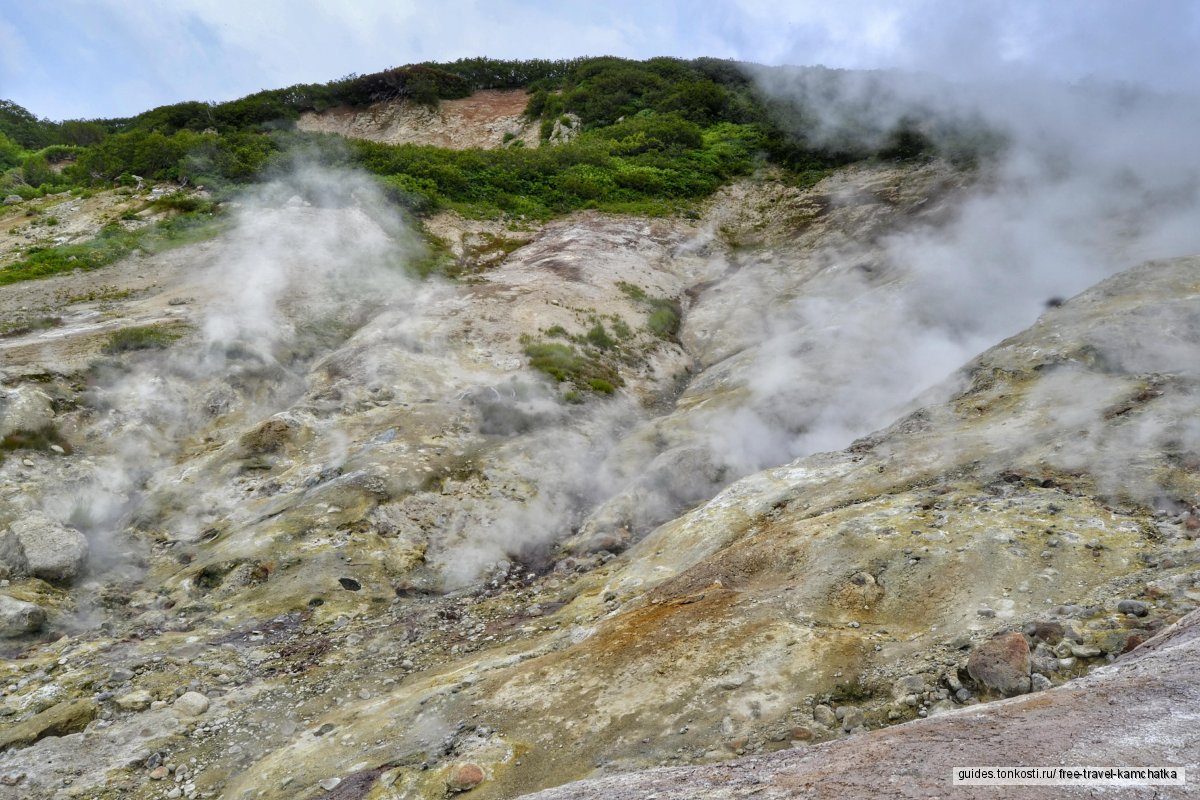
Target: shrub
[46, 439]
[142, 337]
[565, 364]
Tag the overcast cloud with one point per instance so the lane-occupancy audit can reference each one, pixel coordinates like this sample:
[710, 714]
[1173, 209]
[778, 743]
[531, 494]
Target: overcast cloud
[89, 58]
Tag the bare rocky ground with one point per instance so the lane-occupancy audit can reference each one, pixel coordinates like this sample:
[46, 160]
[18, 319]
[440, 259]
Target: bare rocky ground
[1137, 712]
[487, 119]
[343, 542]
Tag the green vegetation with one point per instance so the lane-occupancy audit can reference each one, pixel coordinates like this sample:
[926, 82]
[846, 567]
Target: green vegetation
[10, 328]
[647, 137]
[45, 439]
[665, 315]
[653, 164]
[141, 337]
[113, 243]
[654, 133]
[587, 372]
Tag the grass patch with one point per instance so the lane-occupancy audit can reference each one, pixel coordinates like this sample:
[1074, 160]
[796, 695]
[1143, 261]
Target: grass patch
[114, 243]
[142, 337]
[665, 314]
[44, 439]
[93, 295]
[11, 328]
[566, 364]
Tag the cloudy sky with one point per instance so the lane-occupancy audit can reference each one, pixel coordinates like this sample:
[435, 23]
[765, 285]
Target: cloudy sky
[89, 58]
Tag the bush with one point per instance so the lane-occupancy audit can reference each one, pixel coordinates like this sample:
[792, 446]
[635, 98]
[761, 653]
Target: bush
[565, 364]
[144, 337]
[35, 171]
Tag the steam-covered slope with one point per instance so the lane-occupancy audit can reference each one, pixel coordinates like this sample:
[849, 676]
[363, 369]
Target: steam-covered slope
[342, 507]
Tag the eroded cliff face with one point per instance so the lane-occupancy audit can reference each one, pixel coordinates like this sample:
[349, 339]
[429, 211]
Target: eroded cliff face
[398, 562]
[487, 119]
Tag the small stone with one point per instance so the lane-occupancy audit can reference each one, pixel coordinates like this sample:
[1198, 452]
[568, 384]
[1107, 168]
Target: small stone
[852, 718]
[329, 784]
[1049, 632]
[1084, 651]
[1134, 608]
[12, 778]
[135, 701]
[1039, 682]
[907, 685]
[464, 777]
[825, 716]
[119, 676]
[986, 612]
[962, 695]
[159, 773]
[191, 704]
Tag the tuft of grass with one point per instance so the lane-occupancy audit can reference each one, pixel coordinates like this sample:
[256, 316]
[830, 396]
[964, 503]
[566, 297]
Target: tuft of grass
[598, 337]
[142, 337]
[565, 364]
[112, 244]
[44, 439]
[9, 329]
[665, 314]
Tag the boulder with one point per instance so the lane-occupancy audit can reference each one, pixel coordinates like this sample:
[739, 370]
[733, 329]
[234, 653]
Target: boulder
[1134, 608]
[191, 704]
[25, 408]
[464, 777]
[59, 720]
[12, 556]
[12, 199]
[1002, 664]
[18, 617]
[53, 551]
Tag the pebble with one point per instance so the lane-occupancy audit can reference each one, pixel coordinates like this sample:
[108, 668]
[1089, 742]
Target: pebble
[1084, 651]
[135, 701]
[159, 773]
[986, 612]
[329, 784]
[1040, 683]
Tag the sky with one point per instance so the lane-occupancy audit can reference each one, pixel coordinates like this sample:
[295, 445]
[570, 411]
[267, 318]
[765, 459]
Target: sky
[102, 58]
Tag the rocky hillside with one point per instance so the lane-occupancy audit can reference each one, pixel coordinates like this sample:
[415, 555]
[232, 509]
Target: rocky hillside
[1139, 710]
[281, 520]
[487, 119]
